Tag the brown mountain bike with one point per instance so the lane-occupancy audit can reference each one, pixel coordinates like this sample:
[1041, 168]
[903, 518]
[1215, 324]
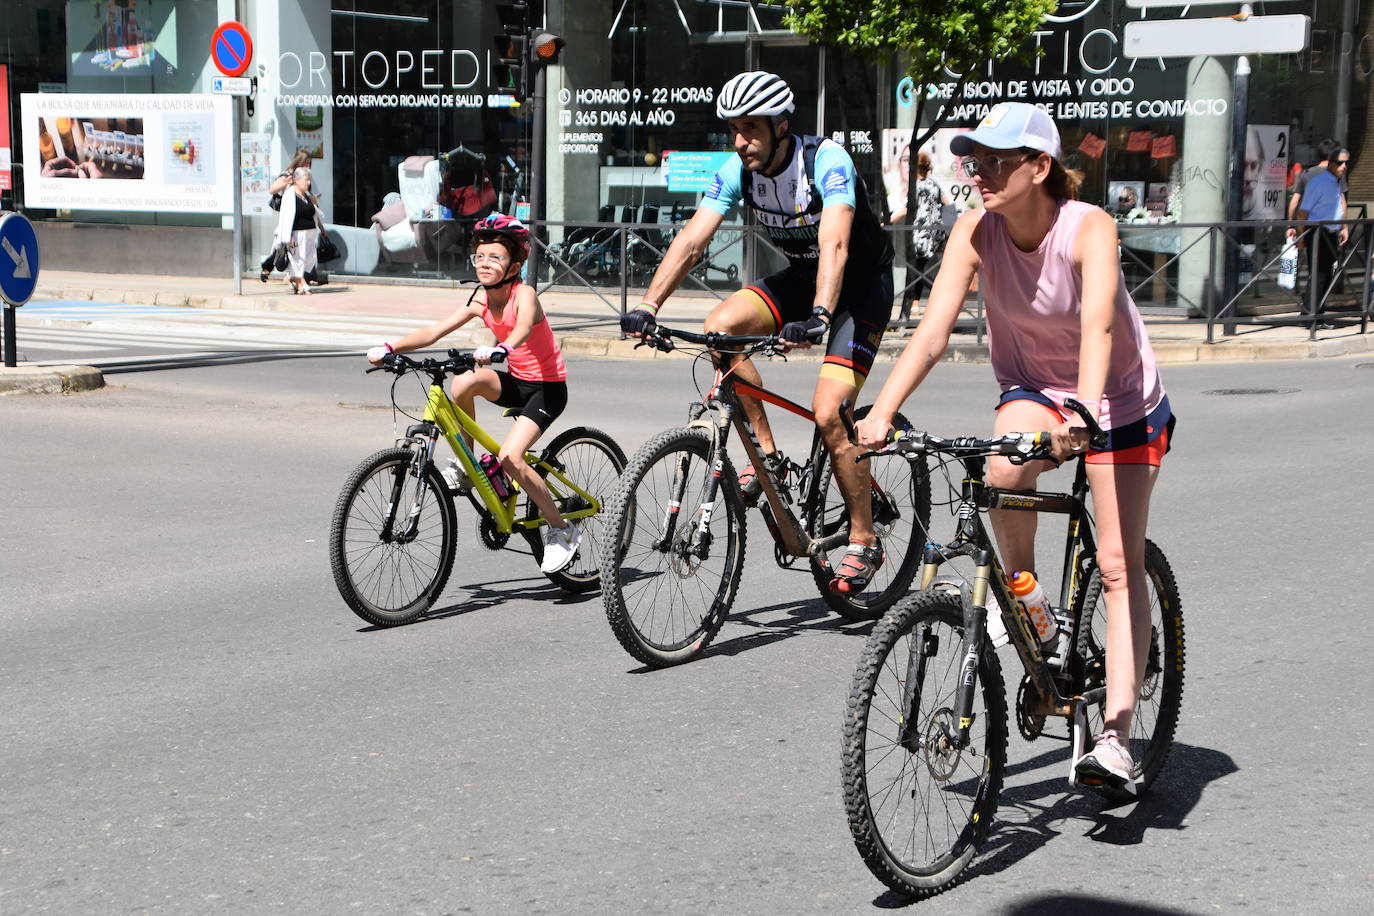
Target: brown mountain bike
[673, 551]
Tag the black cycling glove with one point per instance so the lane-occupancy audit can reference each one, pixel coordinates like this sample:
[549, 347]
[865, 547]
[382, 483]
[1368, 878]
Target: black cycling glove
[811, 330]
[639, 321]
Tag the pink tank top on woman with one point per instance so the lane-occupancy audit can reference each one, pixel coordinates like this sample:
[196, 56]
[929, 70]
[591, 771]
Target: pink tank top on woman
[1033, 303]
[538, 359]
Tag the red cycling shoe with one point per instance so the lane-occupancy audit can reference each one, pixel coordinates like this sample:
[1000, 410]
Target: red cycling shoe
[858, 567]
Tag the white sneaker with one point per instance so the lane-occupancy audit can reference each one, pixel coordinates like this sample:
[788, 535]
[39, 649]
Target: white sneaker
[456, 477]
[560, 547]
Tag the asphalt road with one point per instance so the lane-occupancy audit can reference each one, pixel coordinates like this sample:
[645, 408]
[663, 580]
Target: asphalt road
[194, 722]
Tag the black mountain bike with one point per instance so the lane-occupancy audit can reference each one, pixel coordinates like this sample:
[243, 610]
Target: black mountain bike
[925, 729]
[673, 548]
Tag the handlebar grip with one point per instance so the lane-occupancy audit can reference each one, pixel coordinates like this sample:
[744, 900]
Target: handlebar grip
[1097, 438]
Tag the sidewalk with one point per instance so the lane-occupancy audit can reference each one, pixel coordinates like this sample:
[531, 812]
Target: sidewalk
[575, 317]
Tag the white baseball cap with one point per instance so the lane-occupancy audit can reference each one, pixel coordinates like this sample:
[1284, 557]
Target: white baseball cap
[1011, 125]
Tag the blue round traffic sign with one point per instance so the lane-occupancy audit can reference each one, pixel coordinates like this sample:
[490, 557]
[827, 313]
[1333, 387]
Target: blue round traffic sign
[18, 259]
[231, 48]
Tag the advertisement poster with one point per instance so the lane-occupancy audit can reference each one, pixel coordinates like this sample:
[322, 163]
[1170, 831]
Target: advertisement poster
[128, 152]
[255, 172]
[1266, 170]
[6, 169]
[690, 170]
[943, 168]
[310, 130]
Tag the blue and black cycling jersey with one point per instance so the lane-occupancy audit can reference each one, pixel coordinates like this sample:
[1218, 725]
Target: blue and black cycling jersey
[819, 173]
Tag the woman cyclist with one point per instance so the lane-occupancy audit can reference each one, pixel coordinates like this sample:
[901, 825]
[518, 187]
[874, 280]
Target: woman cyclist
[536, 384]
[1060, 325]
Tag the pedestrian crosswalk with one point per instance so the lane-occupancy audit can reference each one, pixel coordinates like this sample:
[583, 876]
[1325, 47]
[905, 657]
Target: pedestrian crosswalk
[108, 335]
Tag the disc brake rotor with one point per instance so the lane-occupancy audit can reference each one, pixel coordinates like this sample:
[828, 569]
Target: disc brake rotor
[942, 757]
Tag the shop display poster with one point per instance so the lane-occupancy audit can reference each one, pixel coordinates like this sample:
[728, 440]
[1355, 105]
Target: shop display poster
[1266, 172]
[162, 153]
[255, 172]
[944, 168]
[692, 171]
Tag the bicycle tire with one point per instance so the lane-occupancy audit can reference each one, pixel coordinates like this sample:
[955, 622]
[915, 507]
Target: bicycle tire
[907, 476]
[594, 462]
[649, 603]
[388, 584]
[1161, 695]
[891, 816]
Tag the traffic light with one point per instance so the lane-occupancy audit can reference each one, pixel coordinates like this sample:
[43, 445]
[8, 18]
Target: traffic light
[545, 47]
[509, 72]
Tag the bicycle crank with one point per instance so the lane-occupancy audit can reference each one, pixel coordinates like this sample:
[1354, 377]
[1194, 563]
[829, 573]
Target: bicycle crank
[492, 539]
[1030, 724]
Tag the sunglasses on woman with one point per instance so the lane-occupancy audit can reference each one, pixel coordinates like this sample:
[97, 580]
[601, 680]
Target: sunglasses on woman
[992, 166]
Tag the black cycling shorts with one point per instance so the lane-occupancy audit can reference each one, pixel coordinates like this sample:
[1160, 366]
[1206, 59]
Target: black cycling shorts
[542, 402]
[861, 316]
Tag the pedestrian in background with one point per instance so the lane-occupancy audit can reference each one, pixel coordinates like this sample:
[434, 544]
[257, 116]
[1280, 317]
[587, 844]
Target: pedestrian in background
[296, 229]
[928, 233]
[1325, 149]
[1323, 200]
[277, 189]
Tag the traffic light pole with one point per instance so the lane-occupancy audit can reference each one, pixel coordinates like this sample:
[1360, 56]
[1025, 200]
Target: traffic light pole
[537, 159]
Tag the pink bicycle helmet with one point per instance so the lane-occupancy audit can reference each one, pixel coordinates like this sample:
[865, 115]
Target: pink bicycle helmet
[500, 226]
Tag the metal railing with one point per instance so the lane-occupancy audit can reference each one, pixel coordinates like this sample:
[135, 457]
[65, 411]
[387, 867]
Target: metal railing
[1214, 273]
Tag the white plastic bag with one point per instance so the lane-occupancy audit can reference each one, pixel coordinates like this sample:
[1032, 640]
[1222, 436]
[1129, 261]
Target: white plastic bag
[1288, 266]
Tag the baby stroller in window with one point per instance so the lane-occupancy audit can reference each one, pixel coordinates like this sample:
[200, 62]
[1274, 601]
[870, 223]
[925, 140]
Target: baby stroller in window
[587, 251]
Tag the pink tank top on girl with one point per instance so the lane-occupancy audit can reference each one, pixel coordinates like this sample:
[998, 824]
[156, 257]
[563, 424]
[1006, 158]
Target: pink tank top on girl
[538, 359]
[1033, 300]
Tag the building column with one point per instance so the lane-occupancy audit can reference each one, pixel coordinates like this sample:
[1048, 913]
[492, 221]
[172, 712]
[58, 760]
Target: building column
[1202, 179]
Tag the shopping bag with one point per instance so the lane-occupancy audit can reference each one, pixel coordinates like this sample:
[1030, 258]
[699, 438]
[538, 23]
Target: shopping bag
[279, 256]
[1288, 266]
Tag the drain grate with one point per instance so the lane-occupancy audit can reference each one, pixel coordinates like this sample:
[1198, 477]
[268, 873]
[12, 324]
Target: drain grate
[1235, 391]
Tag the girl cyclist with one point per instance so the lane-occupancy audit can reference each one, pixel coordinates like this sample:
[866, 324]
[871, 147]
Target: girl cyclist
[536, 384]
[1060, 325]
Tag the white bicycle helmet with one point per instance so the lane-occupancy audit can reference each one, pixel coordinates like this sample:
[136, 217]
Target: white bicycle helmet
[754, 93]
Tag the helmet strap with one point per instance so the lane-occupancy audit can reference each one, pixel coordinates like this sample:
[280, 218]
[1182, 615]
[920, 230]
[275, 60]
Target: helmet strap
[514, 276]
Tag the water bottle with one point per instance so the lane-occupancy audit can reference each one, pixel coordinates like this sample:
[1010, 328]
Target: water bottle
[496, 474]
[1035, 605]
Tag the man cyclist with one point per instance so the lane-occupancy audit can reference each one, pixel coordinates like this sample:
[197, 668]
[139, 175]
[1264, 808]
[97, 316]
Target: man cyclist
[813, 206]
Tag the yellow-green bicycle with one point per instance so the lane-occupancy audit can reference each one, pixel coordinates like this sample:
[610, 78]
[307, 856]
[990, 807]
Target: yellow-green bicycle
[394, 532]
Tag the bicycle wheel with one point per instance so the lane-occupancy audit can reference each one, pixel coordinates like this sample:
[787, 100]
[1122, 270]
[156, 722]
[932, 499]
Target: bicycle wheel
[918, 808]
[593, 461]
[667, 591]
[901, 516]
[392, 537]
[1161, 694]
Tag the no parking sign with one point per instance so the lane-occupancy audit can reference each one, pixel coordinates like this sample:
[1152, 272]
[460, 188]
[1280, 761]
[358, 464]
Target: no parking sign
[231, 48]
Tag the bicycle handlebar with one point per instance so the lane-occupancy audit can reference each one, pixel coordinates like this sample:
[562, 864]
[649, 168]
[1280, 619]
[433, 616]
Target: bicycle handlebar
[1019, 447]
[660, 338]
[458, 362]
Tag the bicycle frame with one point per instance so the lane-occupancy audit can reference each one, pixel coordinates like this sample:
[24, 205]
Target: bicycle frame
[444, 417]
[989, 580]
[787, 530]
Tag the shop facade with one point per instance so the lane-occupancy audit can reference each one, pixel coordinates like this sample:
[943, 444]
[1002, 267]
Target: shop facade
[412, 134]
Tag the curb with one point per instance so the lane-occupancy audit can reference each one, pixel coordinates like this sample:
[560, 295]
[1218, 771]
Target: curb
[49, 379]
